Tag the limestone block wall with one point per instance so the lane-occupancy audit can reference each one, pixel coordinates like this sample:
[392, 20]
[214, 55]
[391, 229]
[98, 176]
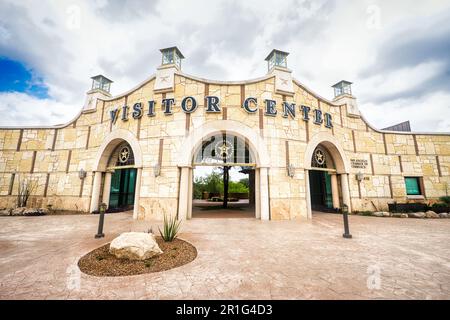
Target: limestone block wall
[54, 156]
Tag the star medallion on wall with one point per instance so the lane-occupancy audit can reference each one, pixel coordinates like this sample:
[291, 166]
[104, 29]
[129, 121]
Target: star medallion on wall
[124, 155]
[90, 102]
[320, 157]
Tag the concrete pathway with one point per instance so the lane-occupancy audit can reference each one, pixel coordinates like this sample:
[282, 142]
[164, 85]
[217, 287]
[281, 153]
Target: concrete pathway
[388, 258]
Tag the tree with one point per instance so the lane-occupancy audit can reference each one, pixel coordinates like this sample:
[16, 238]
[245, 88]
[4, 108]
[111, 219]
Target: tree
[26, 187]
[211, 183]
[245, 182]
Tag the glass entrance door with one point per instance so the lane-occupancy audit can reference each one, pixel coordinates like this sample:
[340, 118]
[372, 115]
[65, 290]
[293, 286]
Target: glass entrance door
[123, 182]
[320, 187]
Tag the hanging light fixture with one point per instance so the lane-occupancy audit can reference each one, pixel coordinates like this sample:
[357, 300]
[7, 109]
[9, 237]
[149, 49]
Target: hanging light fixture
[81, 174]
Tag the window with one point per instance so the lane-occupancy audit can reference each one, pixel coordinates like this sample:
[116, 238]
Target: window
[280, 60]
[168, 57]
[224, 148]
[412, 186]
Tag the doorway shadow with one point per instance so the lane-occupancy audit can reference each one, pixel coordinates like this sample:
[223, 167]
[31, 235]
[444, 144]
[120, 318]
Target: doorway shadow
[214, 209]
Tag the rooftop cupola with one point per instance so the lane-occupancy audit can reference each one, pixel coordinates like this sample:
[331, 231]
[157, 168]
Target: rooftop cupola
[165, 74]
[277, 58]
[171, 56]
[277, 66]
[342, 87]
[343, 96]
[100, 89]
[101, 82]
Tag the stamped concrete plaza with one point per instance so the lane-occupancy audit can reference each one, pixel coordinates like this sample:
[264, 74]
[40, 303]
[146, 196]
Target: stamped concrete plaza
[237, 259]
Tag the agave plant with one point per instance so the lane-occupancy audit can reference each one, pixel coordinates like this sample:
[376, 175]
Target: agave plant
[171, 228]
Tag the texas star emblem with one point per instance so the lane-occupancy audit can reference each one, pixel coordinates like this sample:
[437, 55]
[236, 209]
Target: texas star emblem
[320, 157]
[124, 154]
[224, 149]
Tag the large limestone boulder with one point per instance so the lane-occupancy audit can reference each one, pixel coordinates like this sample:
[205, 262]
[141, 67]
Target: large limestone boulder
[416, 215]
[431, 214]
[443, 215]
[135, 246]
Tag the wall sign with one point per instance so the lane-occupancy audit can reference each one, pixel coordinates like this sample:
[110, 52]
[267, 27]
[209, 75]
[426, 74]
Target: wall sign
[359, 163]
[212, 105]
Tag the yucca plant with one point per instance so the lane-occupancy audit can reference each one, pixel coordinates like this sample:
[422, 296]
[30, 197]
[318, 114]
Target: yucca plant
[170, 229]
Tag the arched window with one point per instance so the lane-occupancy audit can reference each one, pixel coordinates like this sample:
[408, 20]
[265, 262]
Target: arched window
[322, 159]
[121, 156]
[224, 149]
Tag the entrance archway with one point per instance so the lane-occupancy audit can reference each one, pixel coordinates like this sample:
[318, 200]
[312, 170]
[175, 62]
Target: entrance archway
[326, 175]
[117, 172]
[193, 142]
[224, 178]
[120, 179]
[323, 181]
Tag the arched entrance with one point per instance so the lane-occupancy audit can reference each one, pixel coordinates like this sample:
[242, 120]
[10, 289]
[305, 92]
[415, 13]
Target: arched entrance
[326, 175]
[258, 161]
[224, 178]
[120, 176]
[117, 173]
[322, 181]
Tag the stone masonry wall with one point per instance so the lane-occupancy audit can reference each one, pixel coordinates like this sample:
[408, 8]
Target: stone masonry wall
[54, 156]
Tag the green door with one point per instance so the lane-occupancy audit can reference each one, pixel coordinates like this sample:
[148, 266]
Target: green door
[328, 197]
[123, 183]
[320, 189]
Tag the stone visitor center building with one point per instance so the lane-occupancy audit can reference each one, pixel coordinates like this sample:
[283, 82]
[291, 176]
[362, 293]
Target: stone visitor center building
[301, 151]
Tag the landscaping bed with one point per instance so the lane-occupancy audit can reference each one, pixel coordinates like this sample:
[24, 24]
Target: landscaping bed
[419, 215]
[101, 263]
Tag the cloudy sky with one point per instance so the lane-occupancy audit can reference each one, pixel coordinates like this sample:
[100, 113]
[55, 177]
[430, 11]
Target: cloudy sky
[395, 52]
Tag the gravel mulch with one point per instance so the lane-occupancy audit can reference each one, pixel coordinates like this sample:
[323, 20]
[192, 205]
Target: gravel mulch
[101, 263]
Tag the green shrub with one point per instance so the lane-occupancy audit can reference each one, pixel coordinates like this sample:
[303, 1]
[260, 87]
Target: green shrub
[445, 199]
[148, 263]
[170, 228]
[439, 205]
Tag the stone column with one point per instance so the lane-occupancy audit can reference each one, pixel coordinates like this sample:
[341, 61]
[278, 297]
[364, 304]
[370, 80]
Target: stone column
[264, 193]
[137, 193]
[107, 188]
[190, 194]
[346, 191]
[257, 187]
[335, 191]
[308, 195]
[95, 192]
[183, 199]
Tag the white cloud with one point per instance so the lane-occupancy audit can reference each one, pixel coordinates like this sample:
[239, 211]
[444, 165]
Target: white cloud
[400, 80]
[430, 112]
[27, 110]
